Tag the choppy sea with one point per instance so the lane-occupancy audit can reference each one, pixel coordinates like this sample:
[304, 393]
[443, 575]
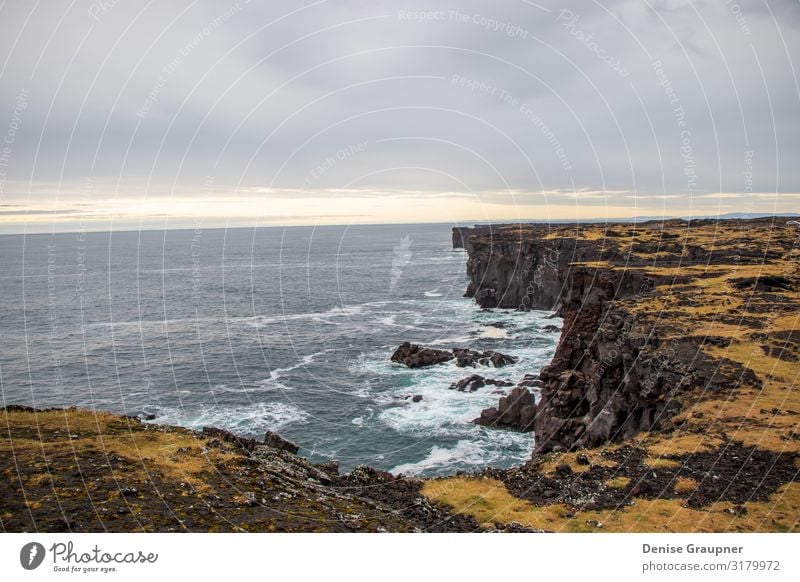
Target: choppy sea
[286, 329]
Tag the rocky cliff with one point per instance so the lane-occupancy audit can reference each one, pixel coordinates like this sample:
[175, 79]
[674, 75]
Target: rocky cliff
[648, 312]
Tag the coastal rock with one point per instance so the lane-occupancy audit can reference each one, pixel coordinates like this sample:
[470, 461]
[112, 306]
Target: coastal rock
[469, 384]
[462, 234]
[276, 441]
[415, 356]
[475, 381]
[530, 381]
[366, 475]
[516, 411]
[466, 357]
[615, 372]
[244, 443]
[330, 467]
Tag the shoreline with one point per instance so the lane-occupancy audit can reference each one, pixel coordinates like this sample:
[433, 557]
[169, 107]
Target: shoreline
[645, 419]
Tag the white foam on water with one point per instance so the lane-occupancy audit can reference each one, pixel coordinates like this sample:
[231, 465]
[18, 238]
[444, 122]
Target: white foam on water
[388, 320]
[457, 257]
[361, 390]
[318, 316]
[265, 385]
[445, 413]
[304, 362]
[441, 410]
[492, 332]
[450, 340]
[482, 448]
[253, 418]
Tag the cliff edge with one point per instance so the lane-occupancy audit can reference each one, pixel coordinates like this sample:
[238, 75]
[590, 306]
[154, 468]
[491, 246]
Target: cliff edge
[671, 404]
[656, 315]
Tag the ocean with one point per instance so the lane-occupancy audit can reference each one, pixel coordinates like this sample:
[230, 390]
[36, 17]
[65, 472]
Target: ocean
[283, 329]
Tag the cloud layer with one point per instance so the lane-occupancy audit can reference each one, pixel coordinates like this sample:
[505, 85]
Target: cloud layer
[353, 111]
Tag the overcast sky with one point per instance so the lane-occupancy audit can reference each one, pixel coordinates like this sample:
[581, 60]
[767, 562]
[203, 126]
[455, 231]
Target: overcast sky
[122, 114]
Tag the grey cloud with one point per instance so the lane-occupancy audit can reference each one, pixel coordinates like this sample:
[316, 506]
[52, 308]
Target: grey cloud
[169, 95]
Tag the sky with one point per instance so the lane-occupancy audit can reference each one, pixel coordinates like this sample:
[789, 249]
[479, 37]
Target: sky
[118, 115]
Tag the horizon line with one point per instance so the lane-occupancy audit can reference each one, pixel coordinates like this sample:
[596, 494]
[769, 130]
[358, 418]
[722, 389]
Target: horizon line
[460, 223]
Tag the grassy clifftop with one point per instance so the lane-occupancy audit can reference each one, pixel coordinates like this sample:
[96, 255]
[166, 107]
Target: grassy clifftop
[714, 330]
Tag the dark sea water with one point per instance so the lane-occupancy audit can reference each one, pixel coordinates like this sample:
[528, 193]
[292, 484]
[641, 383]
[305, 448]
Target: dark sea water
[255, 329]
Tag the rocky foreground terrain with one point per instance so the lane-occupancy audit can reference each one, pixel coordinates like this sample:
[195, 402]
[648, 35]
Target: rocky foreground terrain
[671, 405]
[77, 470]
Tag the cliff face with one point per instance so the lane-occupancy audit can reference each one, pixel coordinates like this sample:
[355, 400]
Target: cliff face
[638, 304]
[461, 234]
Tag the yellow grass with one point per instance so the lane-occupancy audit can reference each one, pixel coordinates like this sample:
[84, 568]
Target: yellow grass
[176, 453]
[684, 485]
[682, 444]
[618, 482]
[489, 502]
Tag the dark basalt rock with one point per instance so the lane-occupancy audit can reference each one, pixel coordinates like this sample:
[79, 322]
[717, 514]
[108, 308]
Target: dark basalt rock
[611, 376]
[330, 467]
[516, 411]
[530, 381]
[462, 234]
[366, 475]
[276, 441]
[469, 384]
[732, 473]
[475, 381]
[415, 356]
[466, 357]
[244, 443]
[763, 283]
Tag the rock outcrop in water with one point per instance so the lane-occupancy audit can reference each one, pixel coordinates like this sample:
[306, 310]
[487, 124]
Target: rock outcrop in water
[516, 411]
[466, 357]
[630, 351]
[416, 356]
[475, 381]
